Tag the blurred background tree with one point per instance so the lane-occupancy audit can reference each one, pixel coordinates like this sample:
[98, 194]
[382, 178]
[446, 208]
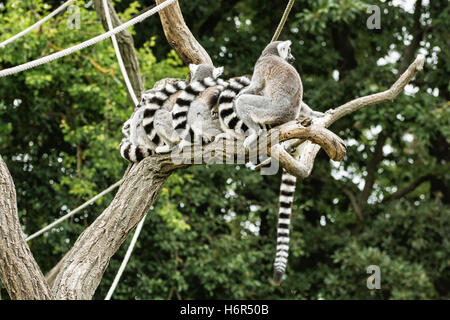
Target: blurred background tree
[212, 234]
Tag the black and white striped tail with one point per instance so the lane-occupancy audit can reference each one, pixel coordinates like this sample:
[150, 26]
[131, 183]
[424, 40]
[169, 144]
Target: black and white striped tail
[153, 101]
[181, 107]
[229, 120]
[133, 153]
[287, 189]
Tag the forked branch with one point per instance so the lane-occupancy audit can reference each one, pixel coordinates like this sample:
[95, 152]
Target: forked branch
[302, 163]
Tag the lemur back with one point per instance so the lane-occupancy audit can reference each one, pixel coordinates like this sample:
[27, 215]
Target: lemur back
[136, 145]
[274, 94]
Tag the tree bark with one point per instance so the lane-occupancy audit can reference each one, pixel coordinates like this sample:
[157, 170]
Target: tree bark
[83, 266]
[19, 271]
[180, 37]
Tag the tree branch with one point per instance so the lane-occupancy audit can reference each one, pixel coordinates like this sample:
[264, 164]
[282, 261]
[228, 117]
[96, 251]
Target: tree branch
[19, 271]
[372, 166]
[126, 47]
[83, 266]
[403, 192]
[180, 37]
[385, 96]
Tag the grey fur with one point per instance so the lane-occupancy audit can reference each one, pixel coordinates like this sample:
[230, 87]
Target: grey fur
[274, 94]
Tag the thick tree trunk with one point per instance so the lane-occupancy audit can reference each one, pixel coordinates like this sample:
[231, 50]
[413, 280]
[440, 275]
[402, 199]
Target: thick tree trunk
[19, 271]
[83, 266]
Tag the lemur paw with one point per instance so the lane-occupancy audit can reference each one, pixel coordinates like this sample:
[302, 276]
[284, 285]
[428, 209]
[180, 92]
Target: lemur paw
[162, 149]
[222, 135]
[330, 111]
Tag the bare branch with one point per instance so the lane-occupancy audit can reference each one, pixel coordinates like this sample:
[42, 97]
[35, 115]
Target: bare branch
[308, 150]
[377, 157]
[403, 192]
[380, 97]
[19, 271]
[180, 37]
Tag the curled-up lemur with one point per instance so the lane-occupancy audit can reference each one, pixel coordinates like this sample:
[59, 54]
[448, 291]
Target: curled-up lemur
[151, 126]
[204, 78]
[130, 151]
[203, 112]
[135, 144]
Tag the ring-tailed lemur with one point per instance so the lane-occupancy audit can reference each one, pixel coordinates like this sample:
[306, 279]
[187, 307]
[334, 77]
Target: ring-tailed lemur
[135, 144]
[214, 100]
[275, 93]
[151, 127]
[128, 150]
[205, 78]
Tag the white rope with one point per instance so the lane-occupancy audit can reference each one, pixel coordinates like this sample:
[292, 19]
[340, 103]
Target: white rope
[71, 213]
[125, 259]
[85, 44]
[119, 56]
[36, 25]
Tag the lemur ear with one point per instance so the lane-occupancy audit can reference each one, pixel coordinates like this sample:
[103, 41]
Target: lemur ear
[217, 72]
[283, 49]
[193, 68]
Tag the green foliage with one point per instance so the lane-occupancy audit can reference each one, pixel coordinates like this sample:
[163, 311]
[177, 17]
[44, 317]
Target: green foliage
[211, 234]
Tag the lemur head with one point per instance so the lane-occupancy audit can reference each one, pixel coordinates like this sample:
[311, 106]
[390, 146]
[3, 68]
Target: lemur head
[281, 49]
[202, 71]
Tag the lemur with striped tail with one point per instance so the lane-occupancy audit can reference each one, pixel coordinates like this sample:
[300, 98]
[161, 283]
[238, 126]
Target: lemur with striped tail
[204, 79]
[150, 126]
[135, 144]
[273, 97]
[130, 151]
[203, 115]
[230, 123]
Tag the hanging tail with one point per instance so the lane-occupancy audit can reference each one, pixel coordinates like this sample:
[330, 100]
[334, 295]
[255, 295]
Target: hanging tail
[287, 189]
